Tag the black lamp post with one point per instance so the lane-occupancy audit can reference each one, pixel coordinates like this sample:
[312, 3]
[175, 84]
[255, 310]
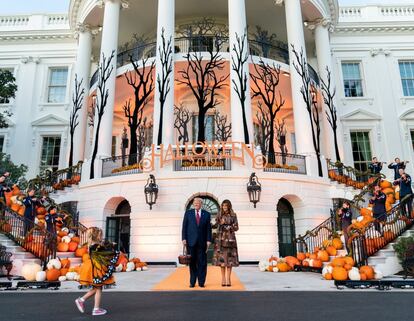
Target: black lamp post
[151, 191]
[254, 188]
[124, 145]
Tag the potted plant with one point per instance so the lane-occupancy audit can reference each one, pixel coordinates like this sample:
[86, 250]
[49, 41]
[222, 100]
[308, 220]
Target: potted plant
[405, 253]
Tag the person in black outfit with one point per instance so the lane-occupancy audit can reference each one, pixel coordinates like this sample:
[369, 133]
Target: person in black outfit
[29, 213]
[396, 166]
[378, 207]
[50, 219]
[196, 236]
[375, 167]
[345, 214]
[405, 189]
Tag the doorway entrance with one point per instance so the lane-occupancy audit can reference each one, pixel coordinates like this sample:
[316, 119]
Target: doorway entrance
[286, 228]
[118, 227]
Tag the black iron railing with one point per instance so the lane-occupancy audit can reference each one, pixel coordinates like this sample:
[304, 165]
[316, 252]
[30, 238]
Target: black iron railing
[286, 163]
[379, 233]
[315, 238]
[32, 237]
[276, 51]
[204, 162]
[119, 165]
[49, 182]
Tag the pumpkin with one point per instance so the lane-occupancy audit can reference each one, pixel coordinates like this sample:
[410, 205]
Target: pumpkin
[368, 271]
[389, 236]
[70, 276]
[388, 206]
[390, 199]
[52, 274]
[40, 276]
[63, 247]
[15, 207]
[349, 260]
[80, 251]
[130, 266]
[122, 259]
[331, 250]
[315, 263]
[63, 271]
[337, 243]
[316, 249]
[388, 191]
[21, 211]
[72, 246]
[62, 233]
[85, 257]
[305, 262]
[62, 278]
[75, 239]
[66, 239]
[328, 276]
[301, 256]
[323, 255]
[378, 275]
[283, 267]
[41, 210]
[313, 256]
[65, 263]
[326, 243]
[385, 184]
[363, 276]
[54, 264]
[30, 270]
[339, 274]
[307, 254]
[347, 267]
[354, 274]
[292, 261]
[327, 269]
[338, 262]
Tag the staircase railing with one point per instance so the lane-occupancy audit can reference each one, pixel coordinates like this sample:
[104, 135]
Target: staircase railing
[32, 237]
[49, 182]
[376, 235]
[316, 237]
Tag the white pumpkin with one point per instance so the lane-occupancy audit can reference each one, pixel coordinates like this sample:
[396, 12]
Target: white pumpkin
[354, 275]
[30, 270]
[275, 269]
[70, 276]
[54, 264]
[144, 268]
[62, 278]
[65, 229]
[40, 276]
[66, 239]
[119, 268]
[378, 275]
[130, 266]
[263, 265]
[138, 269]
[327, 270]
[71, 235]
[77, 277]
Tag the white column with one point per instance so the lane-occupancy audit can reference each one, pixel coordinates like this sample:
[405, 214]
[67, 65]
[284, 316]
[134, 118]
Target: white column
[303, 130]
[323, 53]
[238, 28]
[108, 45]
[166, 23]
[82, 70]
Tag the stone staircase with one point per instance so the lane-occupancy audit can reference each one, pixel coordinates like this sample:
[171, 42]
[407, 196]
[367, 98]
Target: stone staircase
[385, 260]
[20, 256]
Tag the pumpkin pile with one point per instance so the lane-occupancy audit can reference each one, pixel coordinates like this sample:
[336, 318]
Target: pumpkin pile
[274, 264]
[14, 200]
[69, 242]
[342, 269]
[125, 265]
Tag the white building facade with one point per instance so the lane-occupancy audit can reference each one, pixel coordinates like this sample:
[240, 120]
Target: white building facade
[368, 49]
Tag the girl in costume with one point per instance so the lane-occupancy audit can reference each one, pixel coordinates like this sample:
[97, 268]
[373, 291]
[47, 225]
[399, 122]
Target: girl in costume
[96, 271]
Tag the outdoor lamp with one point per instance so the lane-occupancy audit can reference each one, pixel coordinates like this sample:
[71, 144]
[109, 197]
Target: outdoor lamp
[151, 191]
[254, 188]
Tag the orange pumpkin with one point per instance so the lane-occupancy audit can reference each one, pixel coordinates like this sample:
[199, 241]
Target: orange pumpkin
[63, 271]
[339, 273]
[65, 263]
[388, 191]
[390, 199]
[385, 184]
[62, 233]
[80, 251]
[363, 276]
[41, 210]
[52, 274]
[21, 211]
[323, 255]
[85, 257]
[316, 249]
[337, 243]
[368, 271]
[313, 256]
[305, 262]
[347, 267]
[365, 212]
[338, 262]
[301, 256]
[349, 260]
[331, 250]
[15, 207]
[72, 246]
[62, 247]
[316, 263]
[328, 276]
[292, 261]
[75, 239]
[283, 267]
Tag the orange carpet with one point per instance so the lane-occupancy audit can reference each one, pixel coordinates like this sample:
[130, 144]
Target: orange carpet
[179, 281]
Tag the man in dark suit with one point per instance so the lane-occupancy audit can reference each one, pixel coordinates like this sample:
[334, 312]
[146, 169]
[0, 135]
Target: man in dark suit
[196, 236]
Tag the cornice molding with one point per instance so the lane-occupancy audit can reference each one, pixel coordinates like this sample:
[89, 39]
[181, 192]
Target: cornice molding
[372, 29]
[34, 37]
[326, 23]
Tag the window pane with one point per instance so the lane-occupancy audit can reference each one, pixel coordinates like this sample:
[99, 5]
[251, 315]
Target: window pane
[1, 143]
[407, 77]
[352, 79]
[209, 131]
[361, 149]
[57, 85]
[58, 76]
[50, 153]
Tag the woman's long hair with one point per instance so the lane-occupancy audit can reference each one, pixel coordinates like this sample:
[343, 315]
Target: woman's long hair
[230, 208]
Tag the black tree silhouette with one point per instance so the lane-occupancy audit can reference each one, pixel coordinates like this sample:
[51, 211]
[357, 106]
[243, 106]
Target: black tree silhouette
[182, 118]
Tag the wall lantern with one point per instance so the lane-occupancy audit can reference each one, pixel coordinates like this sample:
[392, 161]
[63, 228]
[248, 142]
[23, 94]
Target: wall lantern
[151, 191]
[254, 188]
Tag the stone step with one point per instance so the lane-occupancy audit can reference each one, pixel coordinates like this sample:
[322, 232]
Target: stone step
[375, 260]
[22, 255]
[65, 254]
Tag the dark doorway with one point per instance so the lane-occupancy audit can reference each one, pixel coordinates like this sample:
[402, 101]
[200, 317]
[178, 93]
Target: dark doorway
[286, 228]
[212, 206]
[118, 226]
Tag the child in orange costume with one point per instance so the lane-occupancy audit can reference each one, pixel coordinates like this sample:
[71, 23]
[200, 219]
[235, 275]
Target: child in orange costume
[97, 270]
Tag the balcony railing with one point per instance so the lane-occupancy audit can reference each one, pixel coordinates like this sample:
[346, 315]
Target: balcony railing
[276, 51]
[119, 165]
[286, 163]
[204, 162]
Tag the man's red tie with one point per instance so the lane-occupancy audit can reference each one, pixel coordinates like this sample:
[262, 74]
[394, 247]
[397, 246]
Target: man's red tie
[198, 218]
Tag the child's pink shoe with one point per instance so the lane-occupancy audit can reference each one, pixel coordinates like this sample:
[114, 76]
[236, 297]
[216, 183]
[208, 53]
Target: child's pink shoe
[98, 311]
[80, 305]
